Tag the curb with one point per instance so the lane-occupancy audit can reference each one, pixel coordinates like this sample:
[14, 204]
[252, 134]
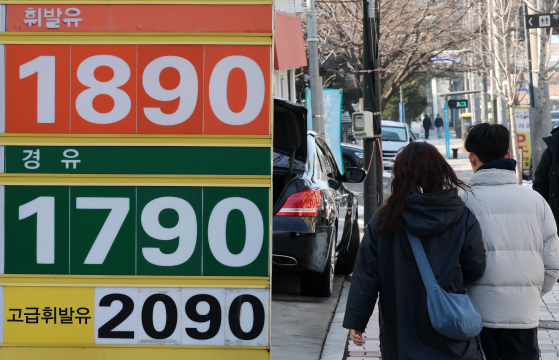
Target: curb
[336, 338]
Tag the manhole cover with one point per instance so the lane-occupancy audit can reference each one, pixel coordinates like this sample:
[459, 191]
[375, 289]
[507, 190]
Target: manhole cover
[549, 325]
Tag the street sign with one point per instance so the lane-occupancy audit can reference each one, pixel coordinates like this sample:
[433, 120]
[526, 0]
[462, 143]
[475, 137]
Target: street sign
[542, 21]
[522, 116]
[457, 104]
[332, 103]
[135, 180]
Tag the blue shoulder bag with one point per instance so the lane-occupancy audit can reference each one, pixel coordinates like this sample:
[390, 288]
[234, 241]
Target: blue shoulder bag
[452, 315]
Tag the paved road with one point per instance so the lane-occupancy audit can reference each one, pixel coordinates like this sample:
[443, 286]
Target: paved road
[299, 323]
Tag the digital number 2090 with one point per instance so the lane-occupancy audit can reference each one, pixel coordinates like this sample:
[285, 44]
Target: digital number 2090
[188, 316]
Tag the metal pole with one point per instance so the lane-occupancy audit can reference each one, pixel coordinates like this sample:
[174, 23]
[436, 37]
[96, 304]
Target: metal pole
[378, 109]
[447, 135]
[402, 105]
[371, 102]
[484, 117]
[316, 84]
[529, 53]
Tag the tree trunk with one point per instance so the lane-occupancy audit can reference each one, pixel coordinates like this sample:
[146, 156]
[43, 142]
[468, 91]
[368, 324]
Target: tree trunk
[514, 143]
[537, 136]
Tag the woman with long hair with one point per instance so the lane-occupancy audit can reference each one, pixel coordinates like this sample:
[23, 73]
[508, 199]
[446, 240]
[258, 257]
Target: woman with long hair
[424, 201]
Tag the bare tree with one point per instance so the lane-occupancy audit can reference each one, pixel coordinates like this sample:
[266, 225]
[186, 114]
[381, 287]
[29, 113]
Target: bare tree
[540, 60]
[502, 56]
[413, 32]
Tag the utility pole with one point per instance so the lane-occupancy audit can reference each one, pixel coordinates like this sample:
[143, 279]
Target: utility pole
[529, 55]
[379, 165]
[316, 82]
[373, 185]
[539, 121]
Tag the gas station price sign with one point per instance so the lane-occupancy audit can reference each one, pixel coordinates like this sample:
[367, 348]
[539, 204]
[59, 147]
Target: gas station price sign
[135, 179]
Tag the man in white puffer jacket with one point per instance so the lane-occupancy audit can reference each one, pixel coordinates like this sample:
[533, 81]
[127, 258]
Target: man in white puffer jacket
[520, 236]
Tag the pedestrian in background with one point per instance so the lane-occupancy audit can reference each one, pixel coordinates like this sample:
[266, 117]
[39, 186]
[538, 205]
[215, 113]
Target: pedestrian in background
[520, 237]
[425, 201]
[439, 123]
[546, 179]
[427, 125]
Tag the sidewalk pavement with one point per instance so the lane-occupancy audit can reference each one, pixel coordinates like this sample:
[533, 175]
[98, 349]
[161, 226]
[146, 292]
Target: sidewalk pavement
[459, 165]
[371, 349]
[547, 339]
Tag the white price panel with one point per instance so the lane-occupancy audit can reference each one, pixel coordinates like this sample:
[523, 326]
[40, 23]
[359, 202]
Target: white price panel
[116, 316]
[187, 316]
[202, 318]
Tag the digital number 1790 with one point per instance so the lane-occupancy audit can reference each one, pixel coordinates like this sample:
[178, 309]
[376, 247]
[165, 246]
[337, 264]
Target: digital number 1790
[136, 231]
[185, 229]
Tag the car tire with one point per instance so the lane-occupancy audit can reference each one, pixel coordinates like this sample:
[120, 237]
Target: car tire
[348, 162]
[344, 266]
[321, 284]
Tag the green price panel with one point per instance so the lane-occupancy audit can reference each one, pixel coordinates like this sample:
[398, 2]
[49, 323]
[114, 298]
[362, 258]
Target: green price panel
[138, 160]
[104, 230]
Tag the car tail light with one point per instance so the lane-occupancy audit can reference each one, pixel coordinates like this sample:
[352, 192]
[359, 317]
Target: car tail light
[304, 203]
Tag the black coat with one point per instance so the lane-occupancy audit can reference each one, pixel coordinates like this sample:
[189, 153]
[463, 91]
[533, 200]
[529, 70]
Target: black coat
[439, 122]
[427, 122]
[385, 266]
[547, 174]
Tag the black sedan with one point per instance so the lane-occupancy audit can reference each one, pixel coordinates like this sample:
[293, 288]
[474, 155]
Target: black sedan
[352, 155]
[315, 224]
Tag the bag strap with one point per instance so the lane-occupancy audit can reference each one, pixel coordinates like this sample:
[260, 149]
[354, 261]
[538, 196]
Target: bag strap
[427, 275]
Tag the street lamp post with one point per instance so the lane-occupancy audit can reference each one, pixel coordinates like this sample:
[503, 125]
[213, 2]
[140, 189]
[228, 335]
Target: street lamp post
[446, 96]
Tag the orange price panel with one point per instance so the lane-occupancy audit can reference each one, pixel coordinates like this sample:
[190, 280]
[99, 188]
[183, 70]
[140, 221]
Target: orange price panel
[170, 89]
[103, 89]
[38, 89]
[237, 90]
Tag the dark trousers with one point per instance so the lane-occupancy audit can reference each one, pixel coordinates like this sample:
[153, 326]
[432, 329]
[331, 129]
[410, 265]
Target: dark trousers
[426, 133]
[510, 344]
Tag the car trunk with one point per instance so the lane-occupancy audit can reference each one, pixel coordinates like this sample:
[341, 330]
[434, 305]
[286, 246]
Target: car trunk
[290, 146]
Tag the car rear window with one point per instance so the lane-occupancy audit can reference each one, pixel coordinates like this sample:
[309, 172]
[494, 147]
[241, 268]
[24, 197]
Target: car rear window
[282, 161]
[555, 115]
[393, 133]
